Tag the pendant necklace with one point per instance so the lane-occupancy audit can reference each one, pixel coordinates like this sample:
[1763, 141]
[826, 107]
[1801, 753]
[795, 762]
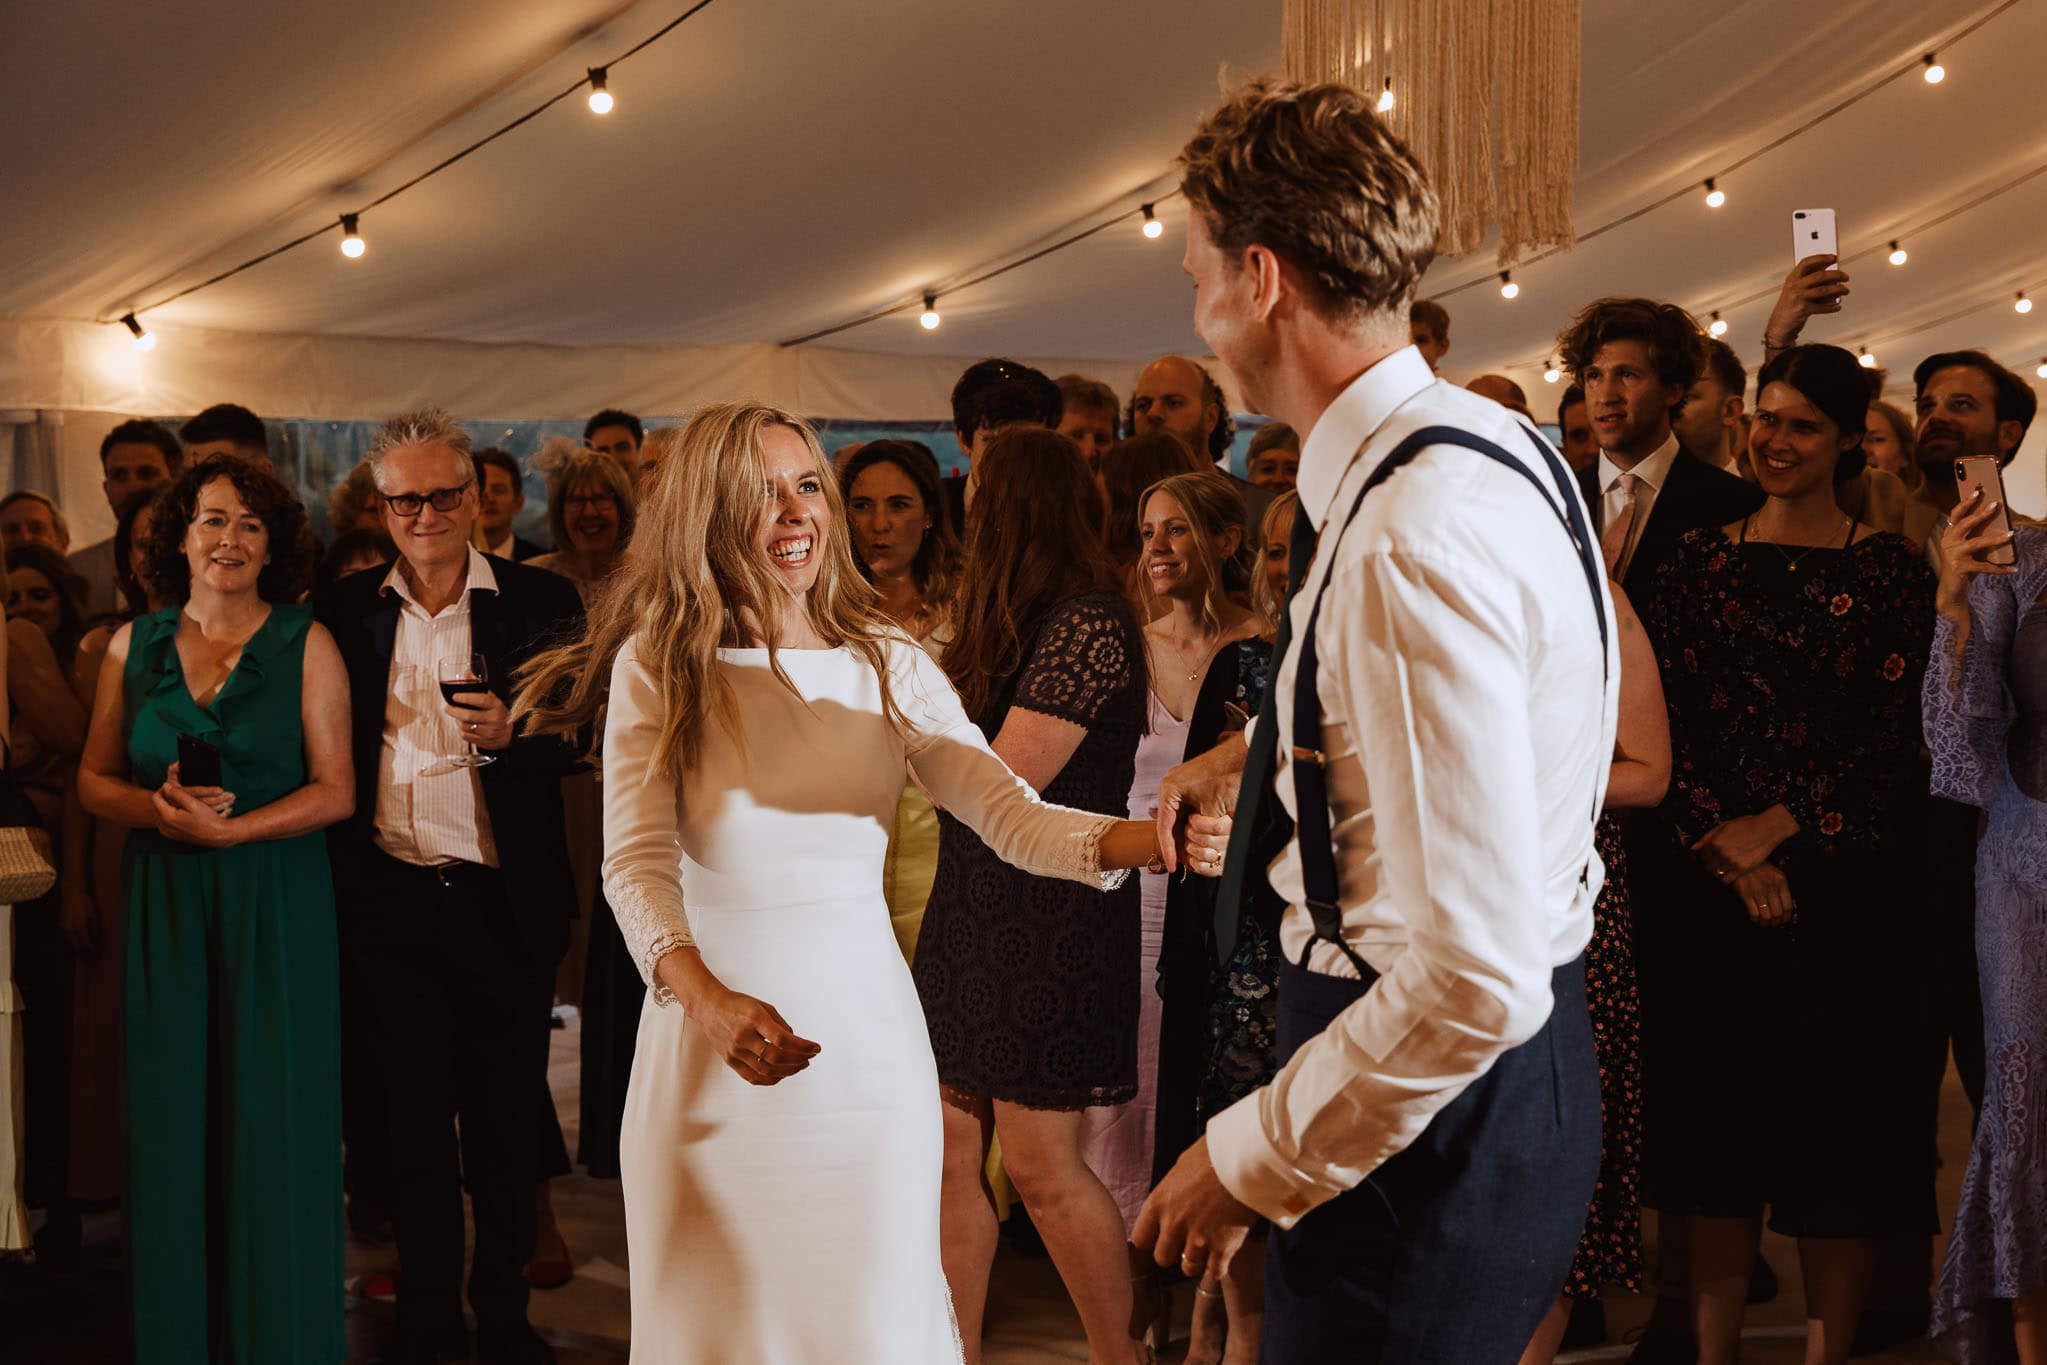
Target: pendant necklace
[1792, 561]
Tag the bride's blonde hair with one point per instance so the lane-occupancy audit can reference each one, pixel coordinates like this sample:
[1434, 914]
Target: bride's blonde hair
[695, 579]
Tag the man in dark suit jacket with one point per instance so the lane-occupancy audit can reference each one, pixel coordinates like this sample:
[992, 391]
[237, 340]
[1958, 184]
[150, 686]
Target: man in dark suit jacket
[501, 496]
[1636, 359]
[453, 887]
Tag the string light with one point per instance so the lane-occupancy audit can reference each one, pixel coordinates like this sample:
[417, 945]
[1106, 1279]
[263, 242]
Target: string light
[145, 340]
[2022, 304]
[1153, 228]
[1718, 326]
[351, 240]
[1508, 289]
[1386, 97]
[929, 318]
[1864, 358]
[1899, 255]
[1935, 72]
[1551, 374]
[2042, 371]
[600, 98]
[1715, 196]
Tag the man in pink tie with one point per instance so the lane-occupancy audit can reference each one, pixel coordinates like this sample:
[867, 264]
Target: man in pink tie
[1636, 359]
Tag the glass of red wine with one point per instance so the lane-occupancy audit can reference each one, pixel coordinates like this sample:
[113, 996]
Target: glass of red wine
[463, 676]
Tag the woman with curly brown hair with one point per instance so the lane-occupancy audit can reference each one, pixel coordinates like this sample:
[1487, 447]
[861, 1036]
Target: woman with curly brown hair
[232, 971]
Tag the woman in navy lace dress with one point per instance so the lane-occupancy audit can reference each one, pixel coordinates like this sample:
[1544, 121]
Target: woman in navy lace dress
[1986, 722]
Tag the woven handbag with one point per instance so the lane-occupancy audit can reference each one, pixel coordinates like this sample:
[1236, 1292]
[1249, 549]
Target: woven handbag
[28, 860]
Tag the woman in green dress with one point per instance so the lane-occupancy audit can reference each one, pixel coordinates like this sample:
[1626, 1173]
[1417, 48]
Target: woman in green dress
[232, 1029]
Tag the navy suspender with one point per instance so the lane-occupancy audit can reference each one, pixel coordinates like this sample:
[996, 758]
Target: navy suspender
[1311, 786]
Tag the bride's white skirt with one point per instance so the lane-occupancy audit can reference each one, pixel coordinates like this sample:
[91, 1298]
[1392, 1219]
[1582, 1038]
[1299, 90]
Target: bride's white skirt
[792, 1224]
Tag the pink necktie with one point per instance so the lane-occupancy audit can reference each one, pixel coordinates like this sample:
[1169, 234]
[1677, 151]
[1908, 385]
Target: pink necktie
[1620, 527]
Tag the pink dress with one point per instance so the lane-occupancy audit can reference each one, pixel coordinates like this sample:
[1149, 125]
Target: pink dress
[1117, 1142]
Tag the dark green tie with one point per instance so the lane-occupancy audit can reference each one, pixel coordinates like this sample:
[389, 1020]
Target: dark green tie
[1259, 828]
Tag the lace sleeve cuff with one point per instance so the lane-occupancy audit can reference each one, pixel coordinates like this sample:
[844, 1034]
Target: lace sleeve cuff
[1090, 868]
[652, 927]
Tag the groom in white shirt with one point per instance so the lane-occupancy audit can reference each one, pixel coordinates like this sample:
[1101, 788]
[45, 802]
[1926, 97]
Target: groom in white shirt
[1441, 727]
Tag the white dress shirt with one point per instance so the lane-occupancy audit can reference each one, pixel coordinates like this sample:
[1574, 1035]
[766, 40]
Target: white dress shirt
[1650, 474]
[1468, 739]
[430, 811]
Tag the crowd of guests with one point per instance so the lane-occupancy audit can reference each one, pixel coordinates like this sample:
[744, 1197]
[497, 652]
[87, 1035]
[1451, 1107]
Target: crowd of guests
[320, 881]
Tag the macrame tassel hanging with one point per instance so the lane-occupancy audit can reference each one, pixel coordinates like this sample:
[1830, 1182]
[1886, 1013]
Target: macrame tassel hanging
[1485, 94]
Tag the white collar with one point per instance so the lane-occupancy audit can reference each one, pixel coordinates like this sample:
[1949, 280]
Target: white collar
[481, 579]
[1349, 421]
[1652, 471]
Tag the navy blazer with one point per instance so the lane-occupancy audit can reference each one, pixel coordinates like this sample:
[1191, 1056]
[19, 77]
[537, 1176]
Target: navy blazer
[1695, 495]
[531, 610]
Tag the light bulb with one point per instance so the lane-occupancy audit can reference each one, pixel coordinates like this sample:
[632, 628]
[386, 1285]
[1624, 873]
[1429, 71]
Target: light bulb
[1935, 72]
[1386, 97]
[1508, 289]
[1551, 374]
[2022, 304]
[1864, 358]
[145, 340]
[1899, 255]
[1715, 196]
[1718, 326]
[1153, 228]
[600, 98]
[2042, 371]
[352, 244]
[929, 318]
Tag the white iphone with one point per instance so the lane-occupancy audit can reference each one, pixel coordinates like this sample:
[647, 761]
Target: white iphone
[1812, 234]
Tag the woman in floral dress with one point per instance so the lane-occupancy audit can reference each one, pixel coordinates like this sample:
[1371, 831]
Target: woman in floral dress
[1782, 932]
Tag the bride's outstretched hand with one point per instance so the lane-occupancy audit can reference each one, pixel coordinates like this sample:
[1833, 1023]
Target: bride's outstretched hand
[752, 1036]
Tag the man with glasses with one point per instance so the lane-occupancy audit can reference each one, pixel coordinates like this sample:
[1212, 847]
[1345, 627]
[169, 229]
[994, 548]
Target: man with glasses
[453, 885]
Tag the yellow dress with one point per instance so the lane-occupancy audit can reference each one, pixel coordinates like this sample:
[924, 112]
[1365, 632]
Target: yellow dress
[911, 866]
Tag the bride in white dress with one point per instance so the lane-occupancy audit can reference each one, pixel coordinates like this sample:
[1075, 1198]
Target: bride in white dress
[781, 1146]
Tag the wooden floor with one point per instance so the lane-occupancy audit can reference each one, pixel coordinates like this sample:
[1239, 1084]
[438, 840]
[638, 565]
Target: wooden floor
[76, 1319]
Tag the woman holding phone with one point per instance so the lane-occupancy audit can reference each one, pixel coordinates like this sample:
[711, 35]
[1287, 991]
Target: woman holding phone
[232, 1027]
[1985, 708]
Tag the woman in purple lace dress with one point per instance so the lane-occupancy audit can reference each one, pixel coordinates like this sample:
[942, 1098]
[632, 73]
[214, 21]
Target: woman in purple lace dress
[1986, 721]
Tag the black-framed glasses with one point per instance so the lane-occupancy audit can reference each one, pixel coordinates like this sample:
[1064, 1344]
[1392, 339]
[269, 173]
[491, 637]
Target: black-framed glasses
[409, 505]
[581, 501]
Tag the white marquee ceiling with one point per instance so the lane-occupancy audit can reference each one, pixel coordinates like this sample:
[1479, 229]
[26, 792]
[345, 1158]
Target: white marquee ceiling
[777, 166]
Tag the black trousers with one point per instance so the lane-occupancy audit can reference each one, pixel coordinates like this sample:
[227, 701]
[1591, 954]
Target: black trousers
[459, 1015]
[1453, 1250]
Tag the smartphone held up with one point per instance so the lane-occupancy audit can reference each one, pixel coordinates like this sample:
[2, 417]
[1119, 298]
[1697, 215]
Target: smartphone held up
[1980, 474]
[1813, 233]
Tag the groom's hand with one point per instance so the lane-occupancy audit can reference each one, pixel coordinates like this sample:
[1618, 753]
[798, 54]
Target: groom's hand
[1191, 1221]
[1195, 802]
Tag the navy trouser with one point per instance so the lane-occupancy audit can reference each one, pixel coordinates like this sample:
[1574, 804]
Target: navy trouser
[1452, 1251]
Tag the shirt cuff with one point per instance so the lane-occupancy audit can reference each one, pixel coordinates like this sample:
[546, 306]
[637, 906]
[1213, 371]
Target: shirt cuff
[1251, 1171]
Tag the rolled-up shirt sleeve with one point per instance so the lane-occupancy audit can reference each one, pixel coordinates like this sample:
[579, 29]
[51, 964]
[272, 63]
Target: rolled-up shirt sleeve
[1433, 662]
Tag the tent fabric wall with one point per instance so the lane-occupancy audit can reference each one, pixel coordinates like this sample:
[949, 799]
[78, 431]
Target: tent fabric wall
[83, 366]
